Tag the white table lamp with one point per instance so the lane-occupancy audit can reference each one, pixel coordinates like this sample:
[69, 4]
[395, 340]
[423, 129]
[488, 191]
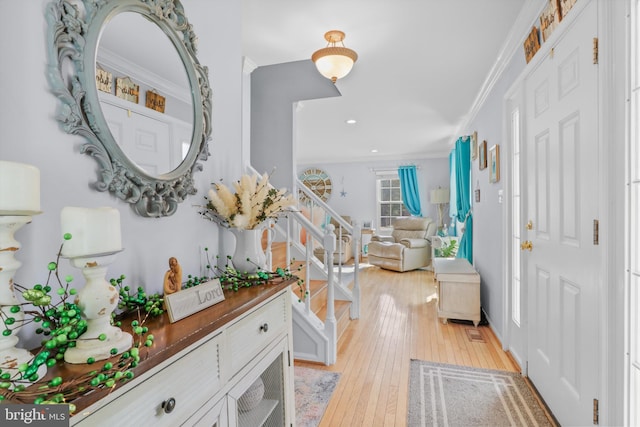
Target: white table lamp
[440, 197]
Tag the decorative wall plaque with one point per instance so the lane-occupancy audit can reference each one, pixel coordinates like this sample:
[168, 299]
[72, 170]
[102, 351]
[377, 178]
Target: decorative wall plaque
[550, 19]
[531, 44]
[565, 6]
[192, 300]
[155, 101]
[126, 89]
[104, 80]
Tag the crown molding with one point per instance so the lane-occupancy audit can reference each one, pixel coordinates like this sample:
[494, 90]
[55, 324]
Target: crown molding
[125, 67]
[248, 66]
[520, 29]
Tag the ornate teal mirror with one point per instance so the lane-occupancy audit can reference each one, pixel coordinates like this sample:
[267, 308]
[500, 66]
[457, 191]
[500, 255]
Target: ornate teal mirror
[128, 79]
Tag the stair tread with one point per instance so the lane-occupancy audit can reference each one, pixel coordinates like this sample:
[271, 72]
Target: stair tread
[340, 308]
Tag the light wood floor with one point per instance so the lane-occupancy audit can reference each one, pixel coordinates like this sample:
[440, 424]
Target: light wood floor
[398, 323]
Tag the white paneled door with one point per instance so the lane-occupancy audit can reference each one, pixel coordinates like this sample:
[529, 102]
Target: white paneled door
[562, 259]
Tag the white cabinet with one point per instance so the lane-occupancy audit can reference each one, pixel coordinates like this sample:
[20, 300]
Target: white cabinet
[168, 395]
[206, 383]
[211, 415]
[258, 398]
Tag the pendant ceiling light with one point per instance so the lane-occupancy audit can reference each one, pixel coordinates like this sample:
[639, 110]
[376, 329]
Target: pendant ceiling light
[334, 62]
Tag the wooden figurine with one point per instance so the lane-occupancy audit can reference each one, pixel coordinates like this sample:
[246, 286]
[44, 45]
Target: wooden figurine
[173, 277]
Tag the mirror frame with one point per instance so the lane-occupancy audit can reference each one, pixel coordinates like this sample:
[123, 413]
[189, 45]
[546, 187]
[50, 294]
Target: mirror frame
[74, 31]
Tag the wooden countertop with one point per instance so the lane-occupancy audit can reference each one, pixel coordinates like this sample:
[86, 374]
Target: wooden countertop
[171, 338]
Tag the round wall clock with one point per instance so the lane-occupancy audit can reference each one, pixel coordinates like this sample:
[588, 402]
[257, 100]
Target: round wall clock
[317, 181]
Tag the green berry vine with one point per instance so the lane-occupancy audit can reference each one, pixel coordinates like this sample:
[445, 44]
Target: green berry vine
[232, 279]
[62, 326]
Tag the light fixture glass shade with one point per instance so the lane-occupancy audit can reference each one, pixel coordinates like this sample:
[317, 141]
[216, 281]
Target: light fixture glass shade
[334, 62]
[440, 196]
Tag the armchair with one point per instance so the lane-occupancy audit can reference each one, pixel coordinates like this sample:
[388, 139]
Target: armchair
[408, 247]
[344, 245]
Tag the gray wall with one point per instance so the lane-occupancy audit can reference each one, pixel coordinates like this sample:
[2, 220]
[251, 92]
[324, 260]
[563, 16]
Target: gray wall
[488, 221]
[30, 134]
[358, 181]
[274, 90]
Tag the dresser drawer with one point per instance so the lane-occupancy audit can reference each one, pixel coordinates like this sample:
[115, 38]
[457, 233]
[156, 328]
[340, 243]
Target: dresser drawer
[251, 334]
[191, 380]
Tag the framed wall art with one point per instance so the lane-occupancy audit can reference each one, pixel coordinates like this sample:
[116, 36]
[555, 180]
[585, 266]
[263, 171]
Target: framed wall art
[482, 155]
[494, 164]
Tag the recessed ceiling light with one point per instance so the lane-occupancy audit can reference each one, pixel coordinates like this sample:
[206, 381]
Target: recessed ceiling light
[350, 121]
[374, 151]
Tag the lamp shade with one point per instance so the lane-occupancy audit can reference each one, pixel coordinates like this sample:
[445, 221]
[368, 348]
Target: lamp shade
[334, 62]
[440, 196]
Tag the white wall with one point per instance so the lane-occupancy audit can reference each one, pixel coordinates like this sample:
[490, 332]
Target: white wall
[29, 133]
[359, 183]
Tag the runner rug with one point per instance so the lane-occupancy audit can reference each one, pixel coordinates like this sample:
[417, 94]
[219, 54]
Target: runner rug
[313, 391]
[449, 395]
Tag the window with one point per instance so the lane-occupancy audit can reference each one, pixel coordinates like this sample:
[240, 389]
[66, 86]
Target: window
[390, 203]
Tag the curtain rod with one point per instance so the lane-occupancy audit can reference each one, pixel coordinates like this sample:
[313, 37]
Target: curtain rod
[390, 168]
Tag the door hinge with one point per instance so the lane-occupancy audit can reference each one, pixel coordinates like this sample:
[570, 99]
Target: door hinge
[596, 414]
[595, 50]
[289, 356]
[596, 232]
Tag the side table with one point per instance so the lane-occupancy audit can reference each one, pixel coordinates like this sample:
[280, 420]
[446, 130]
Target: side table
[366, 234]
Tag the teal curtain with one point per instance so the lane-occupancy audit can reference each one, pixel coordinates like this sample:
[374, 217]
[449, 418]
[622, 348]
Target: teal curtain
[453, 194]
[463, 196]
[409, 189]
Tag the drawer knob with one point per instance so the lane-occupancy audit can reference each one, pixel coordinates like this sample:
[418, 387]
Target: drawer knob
[264, 328]
[169, 405]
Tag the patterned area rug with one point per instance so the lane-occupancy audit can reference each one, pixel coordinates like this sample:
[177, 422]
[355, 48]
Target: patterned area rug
[313, 391]
[449, 395]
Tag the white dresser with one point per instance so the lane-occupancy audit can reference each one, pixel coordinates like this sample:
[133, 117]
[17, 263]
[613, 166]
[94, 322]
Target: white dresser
[200, 367]
[458, 289]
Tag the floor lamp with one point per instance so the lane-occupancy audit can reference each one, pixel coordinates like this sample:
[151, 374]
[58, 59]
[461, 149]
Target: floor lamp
[440, 197]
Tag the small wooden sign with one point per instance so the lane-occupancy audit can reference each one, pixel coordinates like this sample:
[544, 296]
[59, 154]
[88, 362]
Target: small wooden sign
[550, 19]
[531, 44]
[155, 101]
[565, 6]
[126, 89]
[192, 300]
[104, 80]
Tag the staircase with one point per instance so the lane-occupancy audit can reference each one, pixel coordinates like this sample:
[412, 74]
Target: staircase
[332, 296]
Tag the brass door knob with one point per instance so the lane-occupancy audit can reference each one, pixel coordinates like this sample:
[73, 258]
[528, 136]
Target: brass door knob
[526, 245]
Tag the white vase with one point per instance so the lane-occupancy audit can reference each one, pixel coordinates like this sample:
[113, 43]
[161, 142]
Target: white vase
[248, 256]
